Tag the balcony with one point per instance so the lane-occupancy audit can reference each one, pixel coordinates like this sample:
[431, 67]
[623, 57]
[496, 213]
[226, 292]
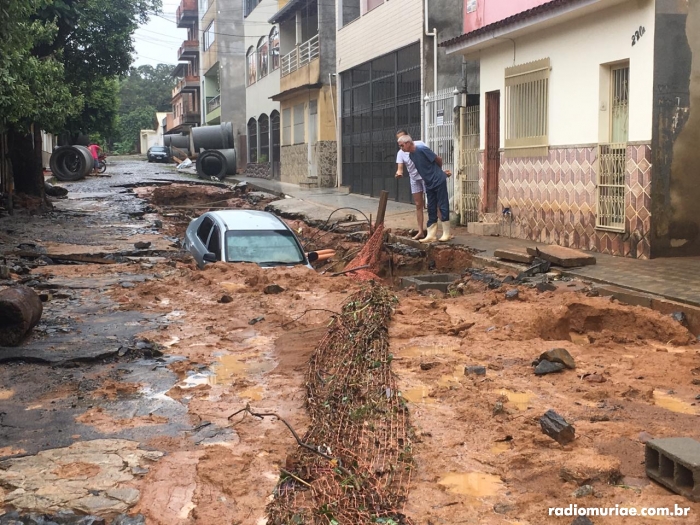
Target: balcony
[213, 103]
[300, 56]
[188, 50]
[188, 118]
[189, 84]
[187, 14]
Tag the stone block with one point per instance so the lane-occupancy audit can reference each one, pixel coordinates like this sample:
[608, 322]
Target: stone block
[561, 256]
[438, 281]
[484, 228]
[675, 464]
[514, 254]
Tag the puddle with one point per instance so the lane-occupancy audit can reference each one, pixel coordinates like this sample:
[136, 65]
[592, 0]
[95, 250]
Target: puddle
[230, 366]
[673, 404]
[475, 484]
[500, 448]
[452, 380]
[418, 395]
[519, 400]
[424, 351]
[254, 393]
[579, 339]
[6, 394]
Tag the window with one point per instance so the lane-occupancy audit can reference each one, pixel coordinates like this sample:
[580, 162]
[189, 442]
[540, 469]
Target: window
[286, 126]
[214, 245]
[371, 4]
[299, 124]
[263, 57]
[264, 247]
[209, 36]
[251, 66]
[350, 11]
[527, 109]
[204, 230]
[252, 141]
[264, 126]
[274, 49]
[619, 103]
[249, 6]
[275, 124]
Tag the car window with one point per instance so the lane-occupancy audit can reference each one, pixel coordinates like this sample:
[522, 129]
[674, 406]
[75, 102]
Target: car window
[204, 230]
[270, 247]
[214, 245]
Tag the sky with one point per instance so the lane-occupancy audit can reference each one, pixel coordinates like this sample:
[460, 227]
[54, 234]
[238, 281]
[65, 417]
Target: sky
[158, 41]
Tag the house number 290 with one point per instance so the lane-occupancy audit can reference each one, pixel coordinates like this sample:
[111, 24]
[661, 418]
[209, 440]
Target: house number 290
[638, 34]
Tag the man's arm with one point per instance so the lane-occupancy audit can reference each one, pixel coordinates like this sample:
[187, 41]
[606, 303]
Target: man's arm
[399, 170]
[438, 160]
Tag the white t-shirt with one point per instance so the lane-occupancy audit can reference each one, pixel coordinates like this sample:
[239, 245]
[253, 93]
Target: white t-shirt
[403, 157]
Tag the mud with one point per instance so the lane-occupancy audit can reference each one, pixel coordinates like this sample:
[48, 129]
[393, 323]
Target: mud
[480, 456]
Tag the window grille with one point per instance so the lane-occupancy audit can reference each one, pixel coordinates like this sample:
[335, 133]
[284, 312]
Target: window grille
[209, 36]
[299, 124]
[252, 141]
[286, 127]
[526, 109]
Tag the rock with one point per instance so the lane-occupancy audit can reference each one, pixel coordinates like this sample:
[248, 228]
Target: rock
[226, 299]
[680, 317]
[429, 365]
[696, 381]
[498, 408]
[587, 467]
[594, 378]
[158, 224]
[123, 519]
[4, 272]
[545, 287]
[255, 320]
[127, 284]
[547, 367]
[141, 245]
[273, 289]
[503, 508]
[475, 370]
[557, 428]
[644, 437]
[583, 491]
[559, 355]
[512, 295]
[582, 520]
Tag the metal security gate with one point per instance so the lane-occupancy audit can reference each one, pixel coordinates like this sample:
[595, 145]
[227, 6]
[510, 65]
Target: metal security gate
[378, 98]
[469, 159]
[439, 132]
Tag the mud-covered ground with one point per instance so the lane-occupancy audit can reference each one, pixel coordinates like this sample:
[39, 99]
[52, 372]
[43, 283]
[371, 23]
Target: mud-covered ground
[125, 387]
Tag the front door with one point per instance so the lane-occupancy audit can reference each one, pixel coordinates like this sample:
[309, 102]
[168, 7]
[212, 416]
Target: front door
[493, 144]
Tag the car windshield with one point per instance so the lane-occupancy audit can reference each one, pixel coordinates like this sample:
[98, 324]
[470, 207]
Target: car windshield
[158, 149]
[264, 247]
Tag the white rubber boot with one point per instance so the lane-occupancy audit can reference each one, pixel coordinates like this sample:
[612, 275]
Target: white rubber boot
[432, 234]
[445, 232]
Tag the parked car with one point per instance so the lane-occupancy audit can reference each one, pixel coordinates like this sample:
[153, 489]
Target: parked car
[245, 236]
[158, 154]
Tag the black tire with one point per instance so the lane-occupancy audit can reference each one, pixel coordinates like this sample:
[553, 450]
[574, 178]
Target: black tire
[102, 166]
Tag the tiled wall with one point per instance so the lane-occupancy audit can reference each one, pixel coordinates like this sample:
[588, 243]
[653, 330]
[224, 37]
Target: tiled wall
[553, 200]
[295, 163]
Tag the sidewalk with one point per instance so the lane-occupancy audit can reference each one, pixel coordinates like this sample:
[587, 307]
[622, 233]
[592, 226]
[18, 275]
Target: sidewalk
[676, 279]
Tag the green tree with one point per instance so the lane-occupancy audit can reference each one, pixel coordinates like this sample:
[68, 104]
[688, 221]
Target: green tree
[131, 124]
[58, 62]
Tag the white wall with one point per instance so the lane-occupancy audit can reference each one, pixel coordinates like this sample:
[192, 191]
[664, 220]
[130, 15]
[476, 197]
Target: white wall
[577, 49]
[389, 27]
[258, 95]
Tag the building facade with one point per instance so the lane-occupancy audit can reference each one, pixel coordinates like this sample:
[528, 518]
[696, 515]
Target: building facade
[186, 95]
[582, 111]
[308, 151]
[383, 80]
[262, 74]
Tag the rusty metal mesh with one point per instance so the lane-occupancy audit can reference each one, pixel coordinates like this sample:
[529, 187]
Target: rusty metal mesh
[359, 423]
[369, 257]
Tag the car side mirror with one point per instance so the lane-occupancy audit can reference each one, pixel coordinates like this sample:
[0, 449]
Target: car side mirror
[312, 256]
[210, 257]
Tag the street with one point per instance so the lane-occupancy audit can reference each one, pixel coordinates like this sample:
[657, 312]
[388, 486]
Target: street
[118, 402]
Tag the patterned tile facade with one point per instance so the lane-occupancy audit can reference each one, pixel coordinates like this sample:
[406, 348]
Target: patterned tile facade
[553, 200]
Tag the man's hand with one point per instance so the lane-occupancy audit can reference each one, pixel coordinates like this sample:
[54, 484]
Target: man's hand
[398, 175]
[448, 173]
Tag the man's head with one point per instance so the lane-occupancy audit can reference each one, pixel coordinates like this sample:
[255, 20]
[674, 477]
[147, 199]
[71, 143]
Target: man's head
[401, 133]
[406, 143]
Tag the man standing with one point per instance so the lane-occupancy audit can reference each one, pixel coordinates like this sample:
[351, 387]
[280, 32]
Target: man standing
[95, 150]
[429, 167]
[417, 184]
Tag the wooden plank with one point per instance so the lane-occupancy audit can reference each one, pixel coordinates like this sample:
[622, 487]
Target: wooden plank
[383, 199]
[561, 256]
[91, 259]
[514, 254]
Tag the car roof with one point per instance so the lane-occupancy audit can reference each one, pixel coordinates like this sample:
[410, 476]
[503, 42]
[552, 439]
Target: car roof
[249, 220]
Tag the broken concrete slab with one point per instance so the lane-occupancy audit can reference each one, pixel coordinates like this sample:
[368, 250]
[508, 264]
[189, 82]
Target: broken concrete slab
[561, 256]
[514, 254]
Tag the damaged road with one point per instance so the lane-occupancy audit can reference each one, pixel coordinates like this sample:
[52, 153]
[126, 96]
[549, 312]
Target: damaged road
[119, 400]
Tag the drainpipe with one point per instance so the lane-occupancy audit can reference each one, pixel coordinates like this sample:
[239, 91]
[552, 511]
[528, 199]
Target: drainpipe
[435, 44]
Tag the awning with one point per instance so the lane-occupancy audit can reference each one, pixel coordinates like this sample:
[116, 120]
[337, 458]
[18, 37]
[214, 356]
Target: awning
[296, 90]
[287, 11]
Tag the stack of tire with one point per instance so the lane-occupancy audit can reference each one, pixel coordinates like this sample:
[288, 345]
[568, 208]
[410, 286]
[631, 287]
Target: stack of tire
[217, 152]
[71, 163]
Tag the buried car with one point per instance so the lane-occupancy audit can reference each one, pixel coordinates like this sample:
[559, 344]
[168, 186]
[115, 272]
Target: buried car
[245, 236]
[158, 154]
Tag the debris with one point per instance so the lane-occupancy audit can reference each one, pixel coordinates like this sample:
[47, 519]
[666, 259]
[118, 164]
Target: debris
[256, 320]
[680, 317]
[545, 287]
[273, 289]
[4, 272]
[582, 520]
[141, 245]
[675, 464]
[429, 365]
[20, 311]
[594, 378]
[514, 254]
[512, 294]
[558, 355]
[547, 367]
[498, 408]
[226, 299]
[557, 428]
[460, 329]
[561, 256]
[503, 508]
[583, 491]
[538, 266]
[54, 191]
[127, 284]
[475, 370]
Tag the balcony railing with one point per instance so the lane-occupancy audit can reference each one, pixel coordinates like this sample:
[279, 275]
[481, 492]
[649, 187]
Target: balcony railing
[213, 103]
[186, 13]
[189, 84]
[188, 49]
[300, 56]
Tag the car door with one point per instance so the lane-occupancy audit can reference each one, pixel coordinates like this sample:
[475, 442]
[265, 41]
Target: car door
[201, 240]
